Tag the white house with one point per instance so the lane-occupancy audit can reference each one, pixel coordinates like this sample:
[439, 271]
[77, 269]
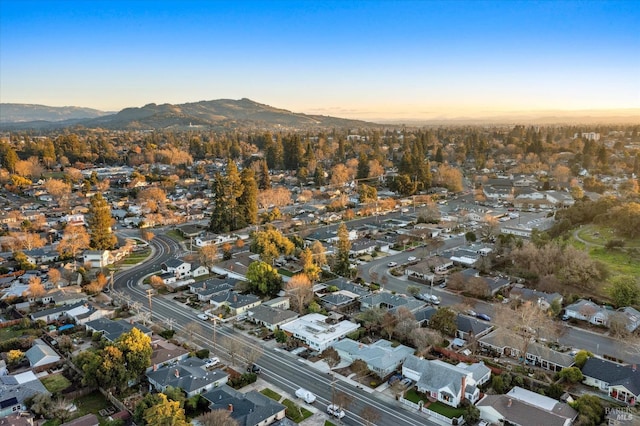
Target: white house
[449, 384]
[177, 267]
[316, 332]
[586, 310]
[96, 258]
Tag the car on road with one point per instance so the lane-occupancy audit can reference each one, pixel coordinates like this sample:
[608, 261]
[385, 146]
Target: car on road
[565, 317]
[411, 259]
[204, 317]
[443, 285]
[211, 362]
[434, 299]
[392, 264]
[471, 312]
[254, 368]
[483, 317]
[335, 411]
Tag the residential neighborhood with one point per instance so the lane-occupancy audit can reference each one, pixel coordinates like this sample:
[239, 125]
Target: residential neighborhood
[475, 293]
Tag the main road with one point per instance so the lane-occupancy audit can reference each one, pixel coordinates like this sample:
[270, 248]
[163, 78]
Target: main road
[278, 367]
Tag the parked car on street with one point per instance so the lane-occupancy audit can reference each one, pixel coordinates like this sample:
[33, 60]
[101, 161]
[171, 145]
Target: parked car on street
[411, 259]
[204, 317]
[392, 264]
[484, 317]
[335, 411]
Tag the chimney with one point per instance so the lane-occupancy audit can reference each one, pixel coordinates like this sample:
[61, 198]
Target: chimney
[230, 408]
[510, 402]
[155, 367]
[177, 373]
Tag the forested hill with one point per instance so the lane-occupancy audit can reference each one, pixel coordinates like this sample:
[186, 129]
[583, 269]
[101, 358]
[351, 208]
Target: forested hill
[221, 113]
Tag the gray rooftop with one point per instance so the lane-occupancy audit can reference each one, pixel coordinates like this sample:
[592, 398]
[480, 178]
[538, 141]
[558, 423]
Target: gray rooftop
[249, 409]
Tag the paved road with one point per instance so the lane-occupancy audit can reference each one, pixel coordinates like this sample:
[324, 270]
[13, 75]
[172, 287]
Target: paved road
[280, 368]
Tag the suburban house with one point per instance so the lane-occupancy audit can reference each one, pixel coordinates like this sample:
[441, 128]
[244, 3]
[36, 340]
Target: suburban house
[206, 289]
[198, 270]
[449, 384]
[251, 408]
[165, 353]
[41, 355]
[631, 316]
[77, 310]
[189, 374]
[177, 267]
[238, 303]
[96, 258]
[317, 332]
[621, 382]
[381, 357]
[520, 407]
[270, 317]
[16, 389]
[112, 330]
[506, 344]
[542, 299]
[469, 328]
[426, 268]
[389, 301]
[586, 310]
[236, 267]
[213, 239]
[362, 246]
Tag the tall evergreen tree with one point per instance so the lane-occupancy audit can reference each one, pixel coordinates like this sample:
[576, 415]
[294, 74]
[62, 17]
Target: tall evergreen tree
[227, 191]
[248, 200]
[343, 246]
[99, 223]
[363, 167]
[265, 178]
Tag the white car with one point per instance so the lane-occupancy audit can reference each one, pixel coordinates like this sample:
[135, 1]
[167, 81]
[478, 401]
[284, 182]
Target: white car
[412, 259]
[335, 411]
[204, 317]
[392, 264]
[211, 362]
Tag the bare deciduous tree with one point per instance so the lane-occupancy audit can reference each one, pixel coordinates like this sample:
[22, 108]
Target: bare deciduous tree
[217, 418]
[300, 290]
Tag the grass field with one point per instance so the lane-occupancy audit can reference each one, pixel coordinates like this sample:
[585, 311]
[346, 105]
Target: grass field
[10, 332]
[55, 383]
[600, 235]
[271, 394]
[137, 257]
[623, 261]
[294, 412]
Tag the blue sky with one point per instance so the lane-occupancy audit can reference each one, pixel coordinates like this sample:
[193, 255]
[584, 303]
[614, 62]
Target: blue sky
[364, 59]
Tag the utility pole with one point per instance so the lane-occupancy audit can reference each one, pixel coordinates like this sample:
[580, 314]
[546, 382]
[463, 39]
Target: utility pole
[215, 323]
[149, 294]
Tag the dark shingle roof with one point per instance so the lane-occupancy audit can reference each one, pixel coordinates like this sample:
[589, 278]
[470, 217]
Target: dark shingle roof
[249, 409]
[613, 373]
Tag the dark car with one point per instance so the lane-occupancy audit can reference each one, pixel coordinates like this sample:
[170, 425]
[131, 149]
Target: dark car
[394, 378]
[254, 369]
[484, 317]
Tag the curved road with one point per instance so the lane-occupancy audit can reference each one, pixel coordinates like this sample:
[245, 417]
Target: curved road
[280, 368]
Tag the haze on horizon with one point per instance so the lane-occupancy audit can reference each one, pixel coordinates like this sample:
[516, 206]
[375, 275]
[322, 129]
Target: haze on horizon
[354, 59]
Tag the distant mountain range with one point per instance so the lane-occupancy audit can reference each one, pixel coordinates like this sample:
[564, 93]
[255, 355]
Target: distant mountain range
[223, 113]
[19, 113]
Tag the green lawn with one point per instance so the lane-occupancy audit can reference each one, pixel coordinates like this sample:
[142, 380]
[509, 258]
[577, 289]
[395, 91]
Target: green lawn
[11, 332]
[271, 394]
[600, 235]
[328, 423]
[137, 257]
[55, 383]
[414, 396]
[294, 412]
[175, 235]
[91, 403]
[445, 409]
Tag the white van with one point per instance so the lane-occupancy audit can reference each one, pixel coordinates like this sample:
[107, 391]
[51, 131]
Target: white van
[308, 397]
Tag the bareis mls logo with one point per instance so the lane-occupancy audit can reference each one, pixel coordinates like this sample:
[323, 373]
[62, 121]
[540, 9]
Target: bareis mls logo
[619, 414]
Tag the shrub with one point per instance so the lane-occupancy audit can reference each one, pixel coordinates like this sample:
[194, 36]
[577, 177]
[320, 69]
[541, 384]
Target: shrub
[202, 353]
